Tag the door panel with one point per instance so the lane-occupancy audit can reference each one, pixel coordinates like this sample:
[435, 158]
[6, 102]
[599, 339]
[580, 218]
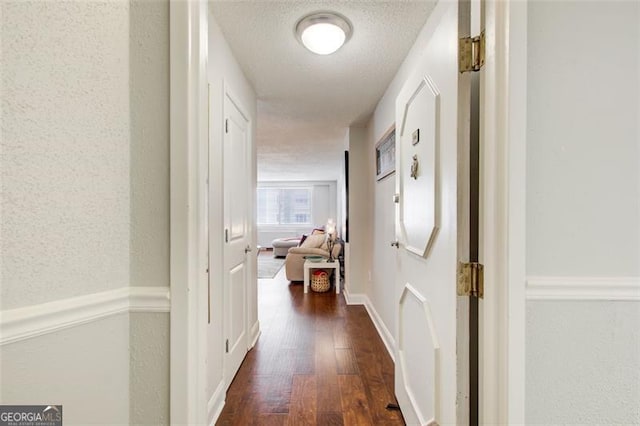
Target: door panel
[418, 215]
[236, 159]
[419, 363]
[428, 117]
[237, 190]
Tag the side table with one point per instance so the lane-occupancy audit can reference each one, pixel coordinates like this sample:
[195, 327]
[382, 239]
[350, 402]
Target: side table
[335, 265]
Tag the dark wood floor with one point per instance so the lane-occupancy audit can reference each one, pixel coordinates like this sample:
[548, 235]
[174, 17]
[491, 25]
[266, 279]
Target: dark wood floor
[317, 362]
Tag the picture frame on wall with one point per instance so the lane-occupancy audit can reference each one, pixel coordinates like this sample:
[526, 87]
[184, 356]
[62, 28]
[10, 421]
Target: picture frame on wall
[386, 154]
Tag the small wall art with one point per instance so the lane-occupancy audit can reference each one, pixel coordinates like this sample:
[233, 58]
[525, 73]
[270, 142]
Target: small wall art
[386, 154]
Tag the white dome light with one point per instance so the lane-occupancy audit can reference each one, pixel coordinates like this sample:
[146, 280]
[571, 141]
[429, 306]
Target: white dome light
[324, 32]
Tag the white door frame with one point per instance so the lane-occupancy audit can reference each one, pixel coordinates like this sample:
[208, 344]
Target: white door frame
[503, 202]
[188, 195]
[502, 213]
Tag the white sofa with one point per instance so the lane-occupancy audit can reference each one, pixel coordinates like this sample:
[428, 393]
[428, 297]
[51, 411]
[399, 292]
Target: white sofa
[281, 246]
[313, 245]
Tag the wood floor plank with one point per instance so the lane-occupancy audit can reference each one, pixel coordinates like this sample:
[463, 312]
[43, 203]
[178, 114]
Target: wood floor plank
[346, 361]
[355, 406]
[273, 393]
[378, 392]
[318, 361]
[271, 419]
[340, 335]
[328, 393]
[330, 418]
[303, 407]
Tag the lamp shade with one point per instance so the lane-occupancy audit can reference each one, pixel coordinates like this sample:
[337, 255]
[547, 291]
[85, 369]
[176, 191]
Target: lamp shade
[323, 32]
[330, 228]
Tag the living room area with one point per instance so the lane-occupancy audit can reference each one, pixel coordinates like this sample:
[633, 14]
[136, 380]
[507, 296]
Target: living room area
[296, 223]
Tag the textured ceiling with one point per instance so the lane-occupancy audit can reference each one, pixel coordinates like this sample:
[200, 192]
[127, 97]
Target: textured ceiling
[307, 101]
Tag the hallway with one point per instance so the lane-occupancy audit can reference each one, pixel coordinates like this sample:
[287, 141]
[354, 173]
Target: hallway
[317, 361]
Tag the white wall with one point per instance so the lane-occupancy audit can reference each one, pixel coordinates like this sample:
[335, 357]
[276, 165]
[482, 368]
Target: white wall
[323, 205]
[583, 195]
[84, 368]
[383, 277]
[224, 71]
[358, 250]
[582, 363]
[65, 192]
[381, 292]
[149, 194]
[65, 153]
[85, 207]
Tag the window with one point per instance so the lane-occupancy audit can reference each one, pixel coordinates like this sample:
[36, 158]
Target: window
[284, 206]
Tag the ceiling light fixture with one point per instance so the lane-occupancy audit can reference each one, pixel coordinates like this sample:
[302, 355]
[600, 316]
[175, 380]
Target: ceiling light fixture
[323, 32]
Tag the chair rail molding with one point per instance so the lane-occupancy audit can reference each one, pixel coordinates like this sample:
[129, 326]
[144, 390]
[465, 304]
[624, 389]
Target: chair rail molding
[36, 320]
[583, 288]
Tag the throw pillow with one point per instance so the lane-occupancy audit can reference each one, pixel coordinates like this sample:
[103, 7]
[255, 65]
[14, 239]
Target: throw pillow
[313, 241]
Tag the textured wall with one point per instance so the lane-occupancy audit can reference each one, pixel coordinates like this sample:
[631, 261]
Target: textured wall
[583, 197]
[582, 363]
[65, 150]
[149, 103]
[149, 382]
[89, 379]
[149, 191]
[65, 198]
[85, 198]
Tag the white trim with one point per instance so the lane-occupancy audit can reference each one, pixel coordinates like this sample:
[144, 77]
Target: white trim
[149, 299]
[36, 320]
[515, 145]
[188, 54]
[254, 334]
[502, 210]
[216, 403]
[583, 288]
[355, 298]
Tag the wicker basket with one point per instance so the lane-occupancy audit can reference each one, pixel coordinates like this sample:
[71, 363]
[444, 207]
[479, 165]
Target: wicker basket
[320, 281]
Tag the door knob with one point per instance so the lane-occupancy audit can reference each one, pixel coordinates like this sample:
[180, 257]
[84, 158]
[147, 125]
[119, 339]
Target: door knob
[247, 249]
[395, 244]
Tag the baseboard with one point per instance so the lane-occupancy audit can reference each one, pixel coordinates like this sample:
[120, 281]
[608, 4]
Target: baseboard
[36, 320]
[383, 331]
[583, 288]
[216, 403]
[355, 299]
[254, 334]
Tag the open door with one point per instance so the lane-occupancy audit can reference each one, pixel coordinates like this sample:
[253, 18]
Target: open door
[237, 208]
[432, 217]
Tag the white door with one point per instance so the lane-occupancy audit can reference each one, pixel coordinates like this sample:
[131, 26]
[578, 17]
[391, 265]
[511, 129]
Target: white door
[237, 190]
[429, 120]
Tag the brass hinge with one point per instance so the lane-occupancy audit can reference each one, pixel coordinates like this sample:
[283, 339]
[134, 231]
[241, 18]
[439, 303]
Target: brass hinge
[471, 279]
[471, 53]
